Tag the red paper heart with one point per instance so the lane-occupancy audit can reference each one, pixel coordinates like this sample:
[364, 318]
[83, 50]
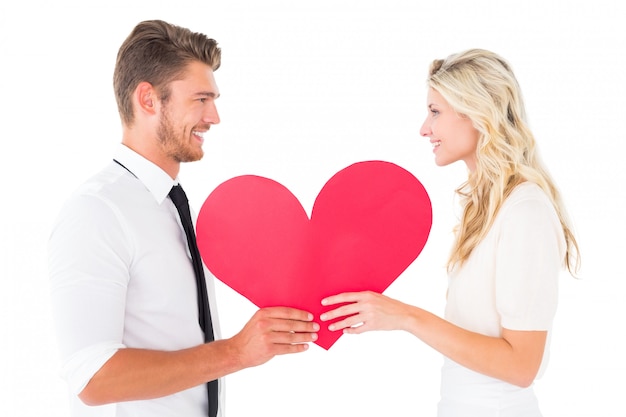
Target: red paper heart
[368, 224]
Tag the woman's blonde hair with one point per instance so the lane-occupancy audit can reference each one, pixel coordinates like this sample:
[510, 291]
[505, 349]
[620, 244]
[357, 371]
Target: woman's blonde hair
[480, 85]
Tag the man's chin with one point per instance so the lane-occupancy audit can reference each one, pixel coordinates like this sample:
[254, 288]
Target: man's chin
[190, 157]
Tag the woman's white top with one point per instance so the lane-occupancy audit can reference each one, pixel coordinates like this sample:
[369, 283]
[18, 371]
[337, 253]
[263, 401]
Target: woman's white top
[509, 281]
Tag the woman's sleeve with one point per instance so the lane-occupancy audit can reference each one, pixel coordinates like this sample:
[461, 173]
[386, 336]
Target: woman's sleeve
[529, 259]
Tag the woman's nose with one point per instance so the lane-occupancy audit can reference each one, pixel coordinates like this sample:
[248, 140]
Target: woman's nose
[425, 129]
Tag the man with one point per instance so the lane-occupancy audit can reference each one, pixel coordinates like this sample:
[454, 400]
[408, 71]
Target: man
[123, 285]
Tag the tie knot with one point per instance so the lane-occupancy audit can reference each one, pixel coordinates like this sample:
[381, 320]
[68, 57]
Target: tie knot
[178, 196]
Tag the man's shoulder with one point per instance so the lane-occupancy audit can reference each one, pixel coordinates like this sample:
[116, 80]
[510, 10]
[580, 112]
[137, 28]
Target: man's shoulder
[111, 183]
[105, 190]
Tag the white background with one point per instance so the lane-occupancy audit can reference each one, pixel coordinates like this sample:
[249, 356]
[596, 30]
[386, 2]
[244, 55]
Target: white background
[308, 89]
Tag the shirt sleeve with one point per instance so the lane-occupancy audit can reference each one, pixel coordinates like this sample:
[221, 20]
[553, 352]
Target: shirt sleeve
[89, 254]
[529, 258]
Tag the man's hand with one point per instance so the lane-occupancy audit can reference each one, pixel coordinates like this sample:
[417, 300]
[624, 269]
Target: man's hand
[274, 331]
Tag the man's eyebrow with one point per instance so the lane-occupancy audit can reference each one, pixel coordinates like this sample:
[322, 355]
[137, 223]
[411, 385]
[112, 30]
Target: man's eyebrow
[209, 94]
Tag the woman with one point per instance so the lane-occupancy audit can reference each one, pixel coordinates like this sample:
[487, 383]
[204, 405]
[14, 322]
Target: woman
[512, 240]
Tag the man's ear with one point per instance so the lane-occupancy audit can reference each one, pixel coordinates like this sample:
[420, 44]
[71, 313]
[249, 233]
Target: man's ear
[146, 98]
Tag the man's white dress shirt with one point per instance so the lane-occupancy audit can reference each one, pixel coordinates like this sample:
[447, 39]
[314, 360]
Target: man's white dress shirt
[121, 277]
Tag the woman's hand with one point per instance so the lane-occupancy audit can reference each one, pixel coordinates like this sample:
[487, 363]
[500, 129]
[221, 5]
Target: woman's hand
[365, 311]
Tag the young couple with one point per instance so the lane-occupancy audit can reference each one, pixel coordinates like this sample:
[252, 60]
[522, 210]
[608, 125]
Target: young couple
[124, 289]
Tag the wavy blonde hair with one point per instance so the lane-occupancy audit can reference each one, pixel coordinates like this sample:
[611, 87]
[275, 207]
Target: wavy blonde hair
[480, 85]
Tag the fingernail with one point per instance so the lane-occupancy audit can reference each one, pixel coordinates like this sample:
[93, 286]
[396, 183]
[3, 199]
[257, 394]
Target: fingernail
[324, 302]
[331, 327]
[323, 317]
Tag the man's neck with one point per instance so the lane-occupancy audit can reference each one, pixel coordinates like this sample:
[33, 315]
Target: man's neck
[152, 154]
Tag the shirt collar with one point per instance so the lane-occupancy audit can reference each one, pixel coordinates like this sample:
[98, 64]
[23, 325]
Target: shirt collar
[157, 181]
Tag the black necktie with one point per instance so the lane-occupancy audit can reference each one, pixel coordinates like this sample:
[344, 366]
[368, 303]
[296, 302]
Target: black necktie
[179, 198]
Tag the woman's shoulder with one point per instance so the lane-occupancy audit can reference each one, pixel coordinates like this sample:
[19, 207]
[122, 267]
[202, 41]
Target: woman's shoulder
[528, 200]
[527, 192]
